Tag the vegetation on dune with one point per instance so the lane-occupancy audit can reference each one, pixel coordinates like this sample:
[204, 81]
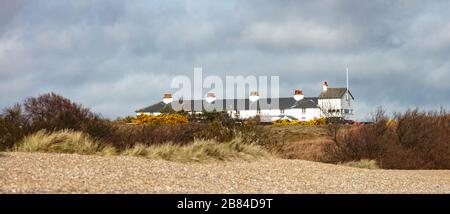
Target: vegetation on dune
[199, 150]
[160, 119]
[49, 112]
[314, 122]
[363, 164]
[67, 141]
[63, 141]
[411, 140]
[305, 149]
[52, 123]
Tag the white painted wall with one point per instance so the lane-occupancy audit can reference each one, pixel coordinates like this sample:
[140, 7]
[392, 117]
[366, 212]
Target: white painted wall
[347, 104]
[307, 115]
[271, 112]
[148, 113]
[337, 104]
[246, 114]
[330, 104]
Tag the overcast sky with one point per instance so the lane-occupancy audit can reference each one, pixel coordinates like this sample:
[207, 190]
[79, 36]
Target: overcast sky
[118, 56]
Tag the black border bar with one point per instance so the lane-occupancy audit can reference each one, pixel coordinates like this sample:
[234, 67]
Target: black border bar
[170, 202]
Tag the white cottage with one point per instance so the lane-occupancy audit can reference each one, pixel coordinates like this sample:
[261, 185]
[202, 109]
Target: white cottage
[332, 102]
[335, 102]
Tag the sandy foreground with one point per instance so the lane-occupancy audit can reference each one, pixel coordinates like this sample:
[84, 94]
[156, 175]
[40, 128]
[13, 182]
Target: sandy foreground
[71, 173]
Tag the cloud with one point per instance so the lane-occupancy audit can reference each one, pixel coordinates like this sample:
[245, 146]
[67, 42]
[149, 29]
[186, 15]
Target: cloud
[298, 35]
[116, 56]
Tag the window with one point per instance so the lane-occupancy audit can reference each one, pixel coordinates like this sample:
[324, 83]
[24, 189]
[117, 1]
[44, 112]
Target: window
[282, 111]
[303, 110]
[346, 111]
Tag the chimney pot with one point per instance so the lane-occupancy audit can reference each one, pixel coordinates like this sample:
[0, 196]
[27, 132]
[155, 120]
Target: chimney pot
[325, 86]
[210, 97]
[167, 98]
[298, 95]
[254, 96]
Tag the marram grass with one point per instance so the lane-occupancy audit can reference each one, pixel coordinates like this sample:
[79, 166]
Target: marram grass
[63, 141]
[199, 150]
[68, 141]
[363, 164]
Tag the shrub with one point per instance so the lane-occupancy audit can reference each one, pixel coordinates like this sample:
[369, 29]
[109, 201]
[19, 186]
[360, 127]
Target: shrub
[54, 112]
[49, 111]
[128, 119]
[124, 136]
[258, 135]
[124, 120]
[101, 129]
[356, 143]
[215, 130]
[13, 126]
[282, 122]
[313, 122]
[63, 141]
[412, 140]
[209, 116]
[304, 149]
[160, 119]
[424, 138]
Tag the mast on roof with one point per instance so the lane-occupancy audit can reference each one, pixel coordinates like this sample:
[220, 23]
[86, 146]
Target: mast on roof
[347, 85]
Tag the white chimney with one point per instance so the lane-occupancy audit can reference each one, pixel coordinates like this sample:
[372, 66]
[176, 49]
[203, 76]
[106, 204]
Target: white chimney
[325, 86]
[254, 96]
[167, 98]
[211, 97]
[298, 95]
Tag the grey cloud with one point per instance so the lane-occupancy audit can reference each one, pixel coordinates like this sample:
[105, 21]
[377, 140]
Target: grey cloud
[117, 56]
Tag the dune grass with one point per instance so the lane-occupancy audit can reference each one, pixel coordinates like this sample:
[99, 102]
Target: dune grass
[68, 141]
[363, 164]
[198, 151]
[63, 141]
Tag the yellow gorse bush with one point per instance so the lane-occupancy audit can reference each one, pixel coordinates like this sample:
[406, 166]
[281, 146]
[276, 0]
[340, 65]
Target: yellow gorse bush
[286, 122]
[314, 122]
[391, 123]
[160, 119]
